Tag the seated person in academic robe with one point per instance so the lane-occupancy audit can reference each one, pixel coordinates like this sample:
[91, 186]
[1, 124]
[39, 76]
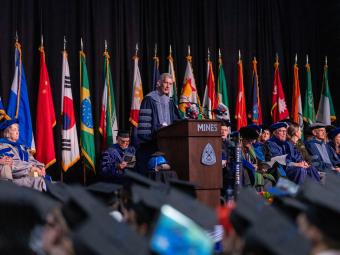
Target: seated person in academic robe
[296, 168]
[159, 168]
[264, 134]
[118, 157]
[334, 137]
[252, 156]
[325, 156]
[294, 134]
[26, 171]
[157, 110]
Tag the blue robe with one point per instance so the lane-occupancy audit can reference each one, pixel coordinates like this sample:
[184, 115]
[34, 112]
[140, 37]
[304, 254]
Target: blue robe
[323, 166]
[111, 158]
[294, 173]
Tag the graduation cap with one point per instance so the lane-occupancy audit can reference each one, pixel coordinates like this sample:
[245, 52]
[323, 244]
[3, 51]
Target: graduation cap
[225, 123]
[317, 125]
[105, 236]
[135, 178]
[248, 206]
[22, 209]
[6, 123]
[185, 186]
[277, 125]
[264, 127]
[57, 191]
[323, 208]
[150, 197]
[249, 133]
[123, 133]
[84, 208]
[333, 133]
[104, 191]
[273, 233]
[198, 212]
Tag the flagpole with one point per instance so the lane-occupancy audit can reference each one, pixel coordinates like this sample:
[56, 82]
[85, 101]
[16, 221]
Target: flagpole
[61, 170]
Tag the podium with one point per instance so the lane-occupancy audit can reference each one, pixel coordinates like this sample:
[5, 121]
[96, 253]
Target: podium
[193, 148]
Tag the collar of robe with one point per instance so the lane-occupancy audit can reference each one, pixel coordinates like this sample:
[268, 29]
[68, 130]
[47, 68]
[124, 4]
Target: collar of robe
[23, 154]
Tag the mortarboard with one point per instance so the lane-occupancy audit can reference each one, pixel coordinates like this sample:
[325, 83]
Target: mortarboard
[57, 191]
[185, 186]
[249, 132]
[323, 207]
[333, 133]
[277, 125]
[264, 127]
[273, 233]
[6, 123]
[104, 191]
[150, 197]
[248, 206]
[225, 123]
[198, 212]
[84, 208]
[123, 133]
[135, 178]
[317, 125]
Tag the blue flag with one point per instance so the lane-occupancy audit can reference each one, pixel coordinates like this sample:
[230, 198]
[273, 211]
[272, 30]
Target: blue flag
[156, 75]
[18, 104]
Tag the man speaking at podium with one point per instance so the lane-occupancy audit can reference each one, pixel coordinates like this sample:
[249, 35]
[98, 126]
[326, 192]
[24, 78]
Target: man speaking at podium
[157, 110]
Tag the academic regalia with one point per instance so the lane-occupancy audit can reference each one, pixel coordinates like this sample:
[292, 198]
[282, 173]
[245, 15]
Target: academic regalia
[156, 111]
[294, 173]
[113, 156]
[23, 161]
[324, 155]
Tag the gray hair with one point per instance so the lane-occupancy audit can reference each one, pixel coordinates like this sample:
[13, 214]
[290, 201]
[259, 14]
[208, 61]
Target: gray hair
[162, 78]
[6, 132]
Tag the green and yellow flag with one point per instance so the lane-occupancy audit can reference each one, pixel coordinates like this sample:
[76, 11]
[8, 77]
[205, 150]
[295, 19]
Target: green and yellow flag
[86, 124]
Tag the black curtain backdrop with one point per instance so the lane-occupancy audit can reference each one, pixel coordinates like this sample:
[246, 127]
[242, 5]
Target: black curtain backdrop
[259, 28]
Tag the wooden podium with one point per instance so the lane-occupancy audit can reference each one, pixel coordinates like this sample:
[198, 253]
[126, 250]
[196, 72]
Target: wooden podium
[193, 148]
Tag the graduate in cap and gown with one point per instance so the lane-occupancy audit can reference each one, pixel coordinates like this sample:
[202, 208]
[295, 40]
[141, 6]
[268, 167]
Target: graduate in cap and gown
[118, 157]
[296, 168]
[26, 171]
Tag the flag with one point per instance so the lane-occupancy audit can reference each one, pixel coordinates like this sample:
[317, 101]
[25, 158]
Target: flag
[137, 94]
[209, 100]
[326, 113]
[189, 92]
[222, 88]
[279, 110]
[45, 120]
[86, 124]
[308, 111]
[155, 75]
[18, 104]
[240, 113]
[3, 114]
[256, 113]
[108, 126]
[69, 138]
[296, 100]
[173, 88]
